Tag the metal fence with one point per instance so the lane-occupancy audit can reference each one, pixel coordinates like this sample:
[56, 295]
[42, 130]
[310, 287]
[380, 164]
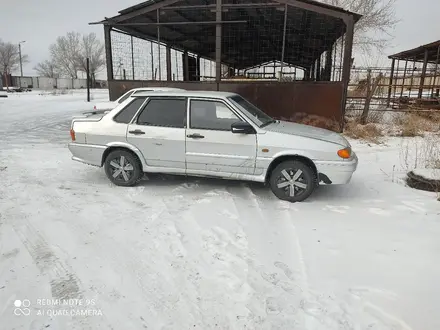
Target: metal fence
[399, 93]
[140, 59]
[311, 47]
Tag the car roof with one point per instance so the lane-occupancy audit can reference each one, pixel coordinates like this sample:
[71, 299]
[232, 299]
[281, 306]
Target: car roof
[157, 89]
[204, 94]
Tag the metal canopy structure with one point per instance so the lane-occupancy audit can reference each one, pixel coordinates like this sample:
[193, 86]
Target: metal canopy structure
[279, 54]
[418, 54]
[429, 53]
[192, 26]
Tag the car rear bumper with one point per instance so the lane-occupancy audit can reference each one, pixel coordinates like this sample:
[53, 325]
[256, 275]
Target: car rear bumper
[87, 153]
[337, 172]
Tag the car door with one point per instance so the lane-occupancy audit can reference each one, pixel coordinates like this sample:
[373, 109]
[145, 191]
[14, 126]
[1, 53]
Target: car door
[211, 147]
[159, 132]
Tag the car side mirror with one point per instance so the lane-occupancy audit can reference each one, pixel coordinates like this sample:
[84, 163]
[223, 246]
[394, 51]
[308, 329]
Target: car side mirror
[241, 127]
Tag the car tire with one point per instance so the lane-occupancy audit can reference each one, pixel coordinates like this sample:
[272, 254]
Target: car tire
[293, 181]
[127, 175]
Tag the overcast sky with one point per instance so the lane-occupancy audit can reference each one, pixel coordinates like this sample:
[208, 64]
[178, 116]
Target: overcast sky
[40, 22]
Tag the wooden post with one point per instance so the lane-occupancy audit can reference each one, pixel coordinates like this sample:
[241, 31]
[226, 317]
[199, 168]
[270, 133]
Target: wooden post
[312, 71]
[306, 74]
[152, 61]
[132, 58]
[185, 66]
[404, 77]
[422, 77]
[390, 85]
[283, 49]
[198, 68]
[435, 72]
[349, 21]
[395, 79]
[364, 115]
[158, 44]
[108, 55]
[168, 58]
[328, 65]
[348, 51]
[318, 69]
[371, 90]
[218, 41]
[88, 79]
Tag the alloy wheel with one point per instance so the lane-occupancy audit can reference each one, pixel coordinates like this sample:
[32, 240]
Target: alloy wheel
[292, 182]
[121, 169]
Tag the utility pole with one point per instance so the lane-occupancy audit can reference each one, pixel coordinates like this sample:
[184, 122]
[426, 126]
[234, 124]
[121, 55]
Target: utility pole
[19, 53]
[88, 79]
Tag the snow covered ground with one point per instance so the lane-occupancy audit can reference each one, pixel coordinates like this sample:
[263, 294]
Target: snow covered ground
[186, 253]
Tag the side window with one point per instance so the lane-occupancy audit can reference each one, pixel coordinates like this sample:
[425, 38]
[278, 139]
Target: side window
[126, 115]
[212, 115]
[166, 112]
[124, 97]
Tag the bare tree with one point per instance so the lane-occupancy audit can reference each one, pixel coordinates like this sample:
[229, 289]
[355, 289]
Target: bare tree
[69, 55]
[65, 52]
[10, 57]
[92, 48]
[372, 32]
[47, 68]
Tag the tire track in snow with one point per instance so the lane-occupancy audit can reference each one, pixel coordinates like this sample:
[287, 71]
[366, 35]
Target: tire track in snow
[120, 256]
[326, 311]
[278, 310]
[208, 251]
[294, 277]
[116, 259]
[315, 310]
[256, 310]
[64, 283]
[47, 128]
[174, 210]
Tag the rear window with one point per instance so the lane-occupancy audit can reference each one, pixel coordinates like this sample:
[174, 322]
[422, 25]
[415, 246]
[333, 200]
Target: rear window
[126, 96]
[126, 115]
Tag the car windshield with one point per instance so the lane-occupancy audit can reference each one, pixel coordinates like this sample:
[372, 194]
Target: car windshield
[257, 116]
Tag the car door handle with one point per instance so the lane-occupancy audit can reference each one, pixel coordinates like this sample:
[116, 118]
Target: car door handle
[195, 136]
[136, 132]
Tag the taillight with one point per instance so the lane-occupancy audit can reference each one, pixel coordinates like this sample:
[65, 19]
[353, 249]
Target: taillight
[94, 107]
[72, 134]
[344, 153]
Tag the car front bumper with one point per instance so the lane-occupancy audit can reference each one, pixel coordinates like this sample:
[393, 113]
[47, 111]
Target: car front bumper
[337, 172]
[87, 153]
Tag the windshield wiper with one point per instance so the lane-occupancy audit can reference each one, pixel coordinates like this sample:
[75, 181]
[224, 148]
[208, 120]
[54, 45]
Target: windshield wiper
[268, 122]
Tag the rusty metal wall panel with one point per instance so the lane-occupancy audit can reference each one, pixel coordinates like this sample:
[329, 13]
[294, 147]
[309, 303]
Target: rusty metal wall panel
[293, 101]
[313, 103]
